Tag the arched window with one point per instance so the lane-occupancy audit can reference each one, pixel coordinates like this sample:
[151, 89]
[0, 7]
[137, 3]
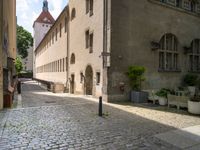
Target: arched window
[168, 53]
[72, 60]
[73, 15]
[194, 56]
[193, 6]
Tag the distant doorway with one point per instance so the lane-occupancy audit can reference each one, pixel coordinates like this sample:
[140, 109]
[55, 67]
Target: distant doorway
[72, 84]
[89, 80]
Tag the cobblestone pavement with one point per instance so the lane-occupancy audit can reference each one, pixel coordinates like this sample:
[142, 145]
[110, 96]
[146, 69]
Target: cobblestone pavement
[60, 121]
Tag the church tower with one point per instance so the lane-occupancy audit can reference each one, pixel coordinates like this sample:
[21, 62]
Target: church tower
[40, 27]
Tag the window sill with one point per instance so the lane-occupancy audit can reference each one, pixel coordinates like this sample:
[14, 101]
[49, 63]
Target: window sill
[164, 70]
[174, 7]
[194, 71]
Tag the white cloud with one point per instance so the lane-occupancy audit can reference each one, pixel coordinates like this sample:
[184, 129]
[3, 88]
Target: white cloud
[56, 7]
[22, 5]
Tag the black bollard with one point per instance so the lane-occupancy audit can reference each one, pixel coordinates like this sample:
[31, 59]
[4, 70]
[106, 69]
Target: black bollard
[19, 87]
[100, 107]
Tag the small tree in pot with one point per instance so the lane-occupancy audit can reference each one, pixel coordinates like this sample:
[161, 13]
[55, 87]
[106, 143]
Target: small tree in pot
[136, 76]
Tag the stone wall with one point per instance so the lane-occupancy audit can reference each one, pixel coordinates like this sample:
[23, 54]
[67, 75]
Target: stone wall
[135, 24]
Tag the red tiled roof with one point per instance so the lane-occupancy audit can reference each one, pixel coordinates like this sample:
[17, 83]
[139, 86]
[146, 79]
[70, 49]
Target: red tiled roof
[45, 14]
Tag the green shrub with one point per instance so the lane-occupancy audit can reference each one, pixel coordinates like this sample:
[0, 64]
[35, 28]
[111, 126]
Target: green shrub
[136, 76]
[190, 80]
[163, 92]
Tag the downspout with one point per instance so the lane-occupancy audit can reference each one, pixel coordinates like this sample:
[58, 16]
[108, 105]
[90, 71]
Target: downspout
[1, 55]
[68, 43]
[105, 74]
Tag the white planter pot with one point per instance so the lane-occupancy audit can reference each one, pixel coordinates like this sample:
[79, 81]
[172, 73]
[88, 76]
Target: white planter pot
[192, 90]
[194, 107]
[162, 101]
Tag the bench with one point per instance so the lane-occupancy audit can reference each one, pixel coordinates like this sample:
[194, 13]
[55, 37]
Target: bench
[178, 101]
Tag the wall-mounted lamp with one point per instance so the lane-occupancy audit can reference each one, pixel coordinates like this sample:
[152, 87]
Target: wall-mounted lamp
[155, 46]
[187, 49]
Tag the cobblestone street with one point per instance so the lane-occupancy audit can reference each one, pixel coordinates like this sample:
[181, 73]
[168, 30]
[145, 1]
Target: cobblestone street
[60, 121]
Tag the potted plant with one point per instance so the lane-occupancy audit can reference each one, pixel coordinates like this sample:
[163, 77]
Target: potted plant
[194, 105]
[162, 96]
[136, 76]
[191, 81]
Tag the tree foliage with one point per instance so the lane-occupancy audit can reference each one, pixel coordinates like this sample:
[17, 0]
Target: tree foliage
[136, 76]
[18, 65]
[24, 41]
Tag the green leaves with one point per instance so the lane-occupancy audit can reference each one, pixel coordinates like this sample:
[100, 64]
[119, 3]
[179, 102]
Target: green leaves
[24, 41]
[135, 74]
[18, 65]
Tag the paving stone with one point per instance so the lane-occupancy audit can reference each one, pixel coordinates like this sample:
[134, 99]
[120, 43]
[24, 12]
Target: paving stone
[72, 123]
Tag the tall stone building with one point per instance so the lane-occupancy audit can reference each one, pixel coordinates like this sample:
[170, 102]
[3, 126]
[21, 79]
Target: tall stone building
[102, 38]
[7, 48]
[40, 27]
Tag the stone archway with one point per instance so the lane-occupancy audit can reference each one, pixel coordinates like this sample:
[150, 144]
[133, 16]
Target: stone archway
[88, 80]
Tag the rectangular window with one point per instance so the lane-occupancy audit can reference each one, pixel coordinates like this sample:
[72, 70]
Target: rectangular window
[87, 34]
[63, 65]
[91, 7]
[87, 6]
[91, 43]
[81, 77]
[98, 78]
[65, 24]
[60, 65]
[53, 38]
[66, 62]
[60, 29]
[56, 34]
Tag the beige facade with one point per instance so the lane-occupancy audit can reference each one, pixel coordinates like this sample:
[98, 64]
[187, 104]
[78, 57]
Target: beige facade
[88, 60]
[7, 45]
[51, 54]
[105, 37]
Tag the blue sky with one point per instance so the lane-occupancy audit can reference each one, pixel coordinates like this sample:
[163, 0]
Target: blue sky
[29, 10]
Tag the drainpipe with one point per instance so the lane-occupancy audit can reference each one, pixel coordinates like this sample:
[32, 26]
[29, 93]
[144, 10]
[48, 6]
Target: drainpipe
[68, 46]
[105, 75]
[1, 55]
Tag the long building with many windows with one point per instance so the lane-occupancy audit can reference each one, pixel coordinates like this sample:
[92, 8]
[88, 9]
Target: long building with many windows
[93, 42]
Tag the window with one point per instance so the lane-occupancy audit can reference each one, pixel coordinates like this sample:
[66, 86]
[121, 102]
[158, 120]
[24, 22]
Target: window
[73, 15]
[72, 61]
[65, 24]
[66, 63]
[194, 56]
[81, 77]
[178, 3]
[192, 6]
[98, 78]
[60, 29]
[89, 7]
[87, 40]
[91, 43]
[60, 65]
[53, 38]
[63, 64]
[56, 34]
[168, 53]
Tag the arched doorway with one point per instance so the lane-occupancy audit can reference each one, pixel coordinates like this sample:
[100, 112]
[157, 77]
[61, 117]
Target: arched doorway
[88, 80]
